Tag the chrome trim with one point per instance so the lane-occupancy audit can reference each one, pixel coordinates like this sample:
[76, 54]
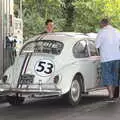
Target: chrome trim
[21, 90]
[39, 91]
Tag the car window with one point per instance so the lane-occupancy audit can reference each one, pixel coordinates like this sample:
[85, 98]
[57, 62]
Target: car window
[92, 48]
[80, 49]
[43, 46]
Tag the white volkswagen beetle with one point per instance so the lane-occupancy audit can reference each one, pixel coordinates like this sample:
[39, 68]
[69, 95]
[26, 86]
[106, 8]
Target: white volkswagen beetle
[53, 65]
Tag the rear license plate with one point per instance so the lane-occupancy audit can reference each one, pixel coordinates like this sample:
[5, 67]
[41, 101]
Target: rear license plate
[26, 79]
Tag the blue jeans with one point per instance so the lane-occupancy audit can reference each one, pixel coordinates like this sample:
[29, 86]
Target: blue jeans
[110, 73]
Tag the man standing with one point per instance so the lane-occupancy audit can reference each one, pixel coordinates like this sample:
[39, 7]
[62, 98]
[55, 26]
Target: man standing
[108, 42]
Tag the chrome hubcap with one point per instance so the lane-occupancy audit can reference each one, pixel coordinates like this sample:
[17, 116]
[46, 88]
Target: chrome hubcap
[75, 90]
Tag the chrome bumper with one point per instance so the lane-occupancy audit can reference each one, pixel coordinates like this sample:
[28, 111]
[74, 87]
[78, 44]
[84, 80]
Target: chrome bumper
[40, 91]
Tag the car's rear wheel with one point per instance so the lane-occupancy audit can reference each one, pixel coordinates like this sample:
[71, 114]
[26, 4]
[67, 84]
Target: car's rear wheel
[15, 100]
[73, 97]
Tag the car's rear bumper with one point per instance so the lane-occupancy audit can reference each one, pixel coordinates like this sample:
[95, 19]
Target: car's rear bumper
[35, 92]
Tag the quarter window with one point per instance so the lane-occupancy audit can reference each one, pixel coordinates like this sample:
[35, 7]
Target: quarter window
[80, 49]
[93, 50]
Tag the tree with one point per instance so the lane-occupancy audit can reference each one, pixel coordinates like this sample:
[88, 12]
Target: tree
[16, 7]
[68, 15]
[35, 13]
[90, 12]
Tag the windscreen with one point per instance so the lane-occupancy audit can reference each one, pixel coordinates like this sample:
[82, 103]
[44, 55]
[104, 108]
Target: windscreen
[43, 46]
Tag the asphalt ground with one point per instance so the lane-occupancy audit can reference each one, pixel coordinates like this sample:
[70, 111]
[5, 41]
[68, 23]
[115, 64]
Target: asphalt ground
[92, 107]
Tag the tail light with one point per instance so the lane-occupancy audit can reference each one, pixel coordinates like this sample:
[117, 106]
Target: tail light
[56, 79]
[4, 79]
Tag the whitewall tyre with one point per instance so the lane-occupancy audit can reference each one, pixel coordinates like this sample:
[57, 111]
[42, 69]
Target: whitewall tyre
[73, 97]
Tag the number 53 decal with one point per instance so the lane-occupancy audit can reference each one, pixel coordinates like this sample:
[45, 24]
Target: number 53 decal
[44, 67]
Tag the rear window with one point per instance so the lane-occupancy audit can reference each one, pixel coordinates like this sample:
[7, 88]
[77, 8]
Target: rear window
[43, 46]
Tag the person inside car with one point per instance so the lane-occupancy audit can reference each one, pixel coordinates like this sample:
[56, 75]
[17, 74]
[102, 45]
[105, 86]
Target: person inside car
[49, 26]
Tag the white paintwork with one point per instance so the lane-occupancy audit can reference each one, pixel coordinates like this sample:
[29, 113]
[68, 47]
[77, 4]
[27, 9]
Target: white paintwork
[65, 65]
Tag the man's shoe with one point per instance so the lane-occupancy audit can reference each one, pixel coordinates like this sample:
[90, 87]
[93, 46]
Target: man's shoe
[111, 100]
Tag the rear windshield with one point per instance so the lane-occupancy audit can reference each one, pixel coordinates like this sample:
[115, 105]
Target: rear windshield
[43, 46]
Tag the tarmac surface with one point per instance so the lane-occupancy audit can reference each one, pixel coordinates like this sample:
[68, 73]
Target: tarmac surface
[92, 107]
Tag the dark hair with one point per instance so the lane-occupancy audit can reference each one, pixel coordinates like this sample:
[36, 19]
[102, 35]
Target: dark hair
[104, 21]
[47, 21]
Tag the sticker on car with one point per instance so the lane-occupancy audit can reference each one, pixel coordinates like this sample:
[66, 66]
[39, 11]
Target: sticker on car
[44, 67]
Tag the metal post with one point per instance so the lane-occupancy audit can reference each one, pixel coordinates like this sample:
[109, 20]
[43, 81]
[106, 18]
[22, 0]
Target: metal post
[9, 16]
[2, 39]
[6, 17]
[3, 21]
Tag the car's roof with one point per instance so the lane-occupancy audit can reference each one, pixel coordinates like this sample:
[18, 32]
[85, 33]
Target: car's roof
[92, 35]
[63, 36]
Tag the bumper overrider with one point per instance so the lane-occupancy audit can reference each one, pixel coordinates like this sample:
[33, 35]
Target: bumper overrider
[35, 90]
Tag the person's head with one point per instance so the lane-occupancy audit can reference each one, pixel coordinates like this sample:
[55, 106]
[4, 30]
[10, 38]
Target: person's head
[104, 22]
[49, 25]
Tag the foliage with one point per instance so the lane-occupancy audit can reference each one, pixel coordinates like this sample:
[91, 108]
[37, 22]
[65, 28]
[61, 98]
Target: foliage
[16, 7]
[35, 13]
[68, 15]
[112, 10]
[90, 12]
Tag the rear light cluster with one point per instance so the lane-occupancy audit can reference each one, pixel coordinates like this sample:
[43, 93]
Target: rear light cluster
[4, 78]
[56, 79]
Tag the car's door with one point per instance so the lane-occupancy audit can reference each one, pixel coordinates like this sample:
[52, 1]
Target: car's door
[94, 59]
[87, 68]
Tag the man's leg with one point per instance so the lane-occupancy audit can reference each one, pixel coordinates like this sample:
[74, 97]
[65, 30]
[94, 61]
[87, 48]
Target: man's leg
[117, 76]
[107, 77]
[110, 91]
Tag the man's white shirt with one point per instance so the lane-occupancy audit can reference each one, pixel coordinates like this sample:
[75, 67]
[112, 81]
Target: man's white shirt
[108, 41]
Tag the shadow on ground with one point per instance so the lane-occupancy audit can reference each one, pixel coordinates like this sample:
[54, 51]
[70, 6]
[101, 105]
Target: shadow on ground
[59, 103]
[46, 109]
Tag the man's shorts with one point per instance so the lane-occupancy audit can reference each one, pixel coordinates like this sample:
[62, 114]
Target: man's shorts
[110, 73]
